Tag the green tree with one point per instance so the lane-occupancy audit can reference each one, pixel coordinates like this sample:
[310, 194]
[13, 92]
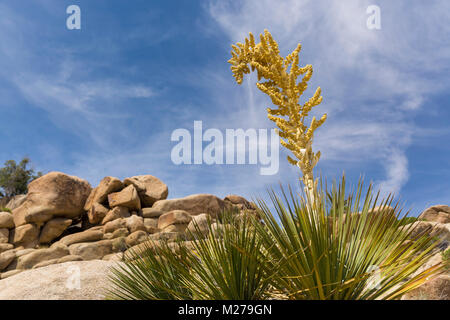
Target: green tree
[14, 177]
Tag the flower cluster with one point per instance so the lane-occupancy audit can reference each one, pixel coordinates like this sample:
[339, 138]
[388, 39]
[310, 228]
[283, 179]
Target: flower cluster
[282, 86]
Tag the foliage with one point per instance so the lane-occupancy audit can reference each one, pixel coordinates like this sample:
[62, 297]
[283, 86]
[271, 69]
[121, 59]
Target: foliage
[283, 88]
[4, 209]
[407, 220]
[232, 266]
[14, 177]
[327, 252]
[446, 258]
[318, 251]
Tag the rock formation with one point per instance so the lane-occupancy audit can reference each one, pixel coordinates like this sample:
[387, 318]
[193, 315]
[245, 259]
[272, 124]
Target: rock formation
[63, 222]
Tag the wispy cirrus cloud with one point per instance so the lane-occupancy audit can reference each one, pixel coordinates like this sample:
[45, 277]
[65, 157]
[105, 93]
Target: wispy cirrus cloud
[373, 81]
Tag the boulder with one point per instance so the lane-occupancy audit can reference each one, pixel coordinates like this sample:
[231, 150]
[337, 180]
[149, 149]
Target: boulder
[439, 213]
[5, 247]
[165, 236]
[239, 201]
[53, 229]
[16, 201]
[10, 273]
[4, 235]
[59, 282]
[437, 288]
[151, 213]
[97, 213]
[52, 195]
[100, 193]
[193, 204]
[119, 244]
[136, 237]
[68, 258]
[85, 236]
[151, 229]
[45, 263]
[6, 220]
[22, 252]
[121, 232]
[178, 228]
[6, 258]
[433, 229]
[174, 217]
[92, 250]
[135, 223]
[29, 260]
[114, 225]
[25, 235]
[113, 257]
[151, 222]
[128, 197]
[116, 213]
[199, 226]
[149, 188]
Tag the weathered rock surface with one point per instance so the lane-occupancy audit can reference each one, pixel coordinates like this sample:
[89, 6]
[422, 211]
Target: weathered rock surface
[25, 235]
[85, 236]
[439, 213]
[92, 250]
[16, 201]
[52, 195]
[151, 213]
[433, 229]
[177, 228]
[194, 204]
[199, 226]
[100, 193]
[6, 220]
[4, 235]
[240, 202]
[150, 189]
[6, 258]
[59, 282]
[174, 217]
[435, 289]
[53, 229]
[136, 237]
[116, 213]
[5, 247]
[114, 225]
[97, 213]
[29, 260]
[135, 223]
[128, 197]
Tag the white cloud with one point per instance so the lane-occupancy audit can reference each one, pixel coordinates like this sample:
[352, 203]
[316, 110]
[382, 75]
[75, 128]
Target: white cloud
[372, 80]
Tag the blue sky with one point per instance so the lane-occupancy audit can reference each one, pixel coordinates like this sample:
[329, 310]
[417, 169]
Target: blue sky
[104, 100]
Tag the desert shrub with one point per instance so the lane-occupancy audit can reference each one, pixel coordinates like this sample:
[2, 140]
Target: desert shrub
[305, 250]
[233, 266]
[326, 252]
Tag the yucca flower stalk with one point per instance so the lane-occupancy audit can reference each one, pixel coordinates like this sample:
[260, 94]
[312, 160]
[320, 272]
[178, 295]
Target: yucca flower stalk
[284, 88]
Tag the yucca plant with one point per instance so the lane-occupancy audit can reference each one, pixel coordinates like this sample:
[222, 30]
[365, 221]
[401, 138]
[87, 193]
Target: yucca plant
[330, 250]
[149, 273]
[229, 264]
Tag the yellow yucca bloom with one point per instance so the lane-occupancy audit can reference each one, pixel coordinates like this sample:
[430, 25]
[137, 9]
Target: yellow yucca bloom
[284, 89]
